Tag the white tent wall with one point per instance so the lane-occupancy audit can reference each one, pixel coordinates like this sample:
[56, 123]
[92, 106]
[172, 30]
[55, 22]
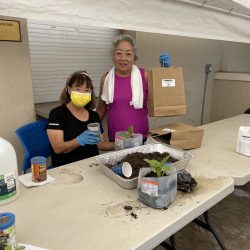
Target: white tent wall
[161, 16]
[16, 92]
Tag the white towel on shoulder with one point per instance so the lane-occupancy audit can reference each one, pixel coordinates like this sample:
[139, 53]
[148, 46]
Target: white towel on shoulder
[136, 86]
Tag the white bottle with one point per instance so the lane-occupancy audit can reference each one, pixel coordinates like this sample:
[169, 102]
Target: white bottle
[9, 185]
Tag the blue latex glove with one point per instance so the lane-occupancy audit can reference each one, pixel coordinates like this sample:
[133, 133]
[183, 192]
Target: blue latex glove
[88, 137]
[165, 59]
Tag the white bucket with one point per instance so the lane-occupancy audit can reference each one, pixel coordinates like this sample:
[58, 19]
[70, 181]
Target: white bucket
[9, 185]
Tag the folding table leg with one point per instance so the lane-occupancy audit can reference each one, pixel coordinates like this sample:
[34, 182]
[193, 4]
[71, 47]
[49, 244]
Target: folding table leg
[208, 226]
[171, 246]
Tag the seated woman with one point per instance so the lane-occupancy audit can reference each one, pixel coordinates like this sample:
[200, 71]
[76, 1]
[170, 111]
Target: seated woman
[67, 128]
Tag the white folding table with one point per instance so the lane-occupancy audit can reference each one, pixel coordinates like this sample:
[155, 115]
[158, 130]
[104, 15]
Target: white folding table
[84, 209]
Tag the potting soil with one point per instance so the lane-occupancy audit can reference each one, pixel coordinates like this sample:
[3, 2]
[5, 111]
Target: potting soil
[136, 160]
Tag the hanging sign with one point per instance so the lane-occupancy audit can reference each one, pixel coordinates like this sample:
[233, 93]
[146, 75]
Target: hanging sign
[10, 30]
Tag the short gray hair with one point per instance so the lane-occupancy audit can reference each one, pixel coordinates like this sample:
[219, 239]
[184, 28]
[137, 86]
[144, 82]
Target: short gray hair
[127, 38]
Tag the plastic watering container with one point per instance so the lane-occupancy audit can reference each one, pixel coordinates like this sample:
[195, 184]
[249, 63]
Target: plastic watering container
[9, 185]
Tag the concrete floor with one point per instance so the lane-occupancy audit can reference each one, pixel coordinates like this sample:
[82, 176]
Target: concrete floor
[231, 219]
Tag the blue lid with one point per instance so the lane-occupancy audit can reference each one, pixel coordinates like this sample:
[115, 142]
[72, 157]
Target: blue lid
[6, 220]
[38, 160]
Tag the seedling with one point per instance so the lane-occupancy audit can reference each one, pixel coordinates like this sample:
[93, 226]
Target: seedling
[128, 133]
[158, 166]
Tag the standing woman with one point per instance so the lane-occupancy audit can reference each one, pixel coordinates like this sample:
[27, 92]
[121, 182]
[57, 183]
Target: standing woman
[124, 91]
[67, 128]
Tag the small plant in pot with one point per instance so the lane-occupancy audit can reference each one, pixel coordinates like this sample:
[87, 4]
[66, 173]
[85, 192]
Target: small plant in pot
[127, 139]
[157, 185]
[128, 133]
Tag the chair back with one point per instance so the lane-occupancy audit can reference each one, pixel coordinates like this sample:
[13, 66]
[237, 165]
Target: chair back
[35, 141]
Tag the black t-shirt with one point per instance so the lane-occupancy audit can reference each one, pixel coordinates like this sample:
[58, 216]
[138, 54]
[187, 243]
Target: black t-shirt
[60, 118]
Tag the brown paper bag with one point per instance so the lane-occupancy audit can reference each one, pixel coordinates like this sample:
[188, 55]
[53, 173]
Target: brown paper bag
[166, 93]
[179, 135]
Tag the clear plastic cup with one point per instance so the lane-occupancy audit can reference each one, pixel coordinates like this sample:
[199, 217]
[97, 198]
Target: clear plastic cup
[95, 127]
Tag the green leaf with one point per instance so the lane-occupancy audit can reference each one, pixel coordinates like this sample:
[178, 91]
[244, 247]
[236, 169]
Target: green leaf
[130, 130]
[128, 133]
[165, 169]
[148, 161]
[164, 160]
[124, 134]
[158, 167]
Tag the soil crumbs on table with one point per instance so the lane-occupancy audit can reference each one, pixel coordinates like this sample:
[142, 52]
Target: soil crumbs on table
[134, 215]
[128, 208]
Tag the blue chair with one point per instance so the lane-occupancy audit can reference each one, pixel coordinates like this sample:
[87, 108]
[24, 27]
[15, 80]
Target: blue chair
[34, 139]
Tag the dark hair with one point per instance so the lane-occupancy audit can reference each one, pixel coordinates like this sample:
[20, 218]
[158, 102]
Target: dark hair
[78, 78]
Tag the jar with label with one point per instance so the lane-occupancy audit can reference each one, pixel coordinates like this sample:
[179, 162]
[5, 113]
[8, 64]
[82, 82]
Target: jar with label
[7, 231]
[38, 168]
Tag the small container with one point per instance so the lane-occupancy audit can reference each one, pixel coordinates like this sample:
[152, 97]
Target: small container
[95, 127]
[122, 142]
[7, 231]
[118, 169]
[38, 168]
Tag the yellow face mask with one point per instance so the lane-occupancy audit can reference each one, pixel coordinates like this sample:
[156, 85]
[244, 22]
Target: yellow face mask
[80, 99]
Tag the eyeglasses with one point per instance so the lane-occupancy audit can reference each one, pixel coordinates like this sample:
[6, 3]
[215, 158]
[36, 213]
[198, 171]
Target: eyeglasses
[124, 54]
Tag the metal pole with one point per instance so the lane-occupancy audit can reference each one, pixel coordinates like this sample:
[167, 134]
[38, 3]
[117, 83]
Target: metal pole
[208, 69]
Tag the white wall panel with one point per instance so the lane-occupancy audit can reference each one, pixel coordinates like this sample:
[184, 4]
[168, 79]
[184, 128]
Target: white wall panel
[57, 50]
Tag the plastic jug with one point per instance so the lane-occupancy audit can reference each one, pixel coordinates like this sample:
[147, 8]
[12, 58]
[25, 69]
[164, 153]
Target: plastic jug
[9, 184]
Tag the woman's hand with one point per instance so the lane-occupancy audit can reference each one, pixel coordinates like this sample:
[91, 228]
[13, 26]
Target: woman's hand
[88, 137]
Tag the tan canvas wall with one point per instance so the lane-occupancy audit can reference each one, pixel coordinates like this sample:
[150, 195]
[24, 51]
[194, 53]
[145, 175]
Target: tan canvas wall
[192, 54]
[16, 92]
[230, 98]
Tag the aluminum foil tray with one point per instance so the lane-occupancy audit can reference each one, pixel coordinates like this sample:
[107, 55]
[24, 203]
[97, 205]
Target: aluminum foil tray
[115, 157]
